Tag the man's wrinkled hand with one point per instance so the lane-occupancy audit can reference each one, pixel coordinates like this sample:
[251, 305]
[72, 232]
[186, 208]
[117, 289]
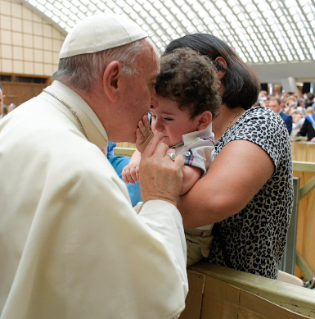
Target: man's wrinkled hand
[160, 176]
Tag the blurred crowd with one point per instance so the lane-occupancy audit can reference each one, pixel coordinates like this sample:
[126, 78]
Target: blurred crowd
[4, 109]
[297, 111]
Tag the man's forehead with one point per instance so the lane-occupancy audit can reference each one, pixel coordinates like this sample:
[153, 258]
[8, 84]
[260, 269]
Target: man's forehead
[156, 68]
[150, 53]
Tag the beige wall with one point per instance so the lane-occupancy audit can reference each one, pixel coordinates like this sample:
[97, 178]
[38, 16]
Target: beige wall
[28, 43]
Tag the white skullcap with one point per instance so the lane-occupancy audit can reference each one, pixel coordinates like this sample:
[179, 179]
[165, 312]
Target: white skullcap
[100, 32]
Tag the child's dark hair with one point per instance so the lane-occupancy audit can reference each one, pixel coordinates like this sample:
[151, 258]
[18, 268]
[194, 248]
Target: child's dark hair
[241, 85]
[191, 80]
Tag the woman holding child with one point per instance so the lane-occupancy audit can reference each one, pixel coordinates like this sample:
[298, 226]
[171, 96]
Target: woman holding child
[247, 191]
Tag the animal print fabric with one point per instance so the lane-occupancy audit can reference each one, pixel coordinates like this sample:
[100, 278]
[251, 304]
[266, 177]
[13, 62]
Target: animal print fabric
[254, 239]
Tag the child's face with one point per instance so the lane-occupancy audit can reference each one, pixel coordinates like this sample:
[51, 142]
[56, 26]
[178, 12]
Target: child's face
[173, 122]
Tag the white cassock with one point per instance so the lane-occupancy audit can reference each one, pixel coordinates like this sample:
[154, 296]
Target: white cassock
[71, 245]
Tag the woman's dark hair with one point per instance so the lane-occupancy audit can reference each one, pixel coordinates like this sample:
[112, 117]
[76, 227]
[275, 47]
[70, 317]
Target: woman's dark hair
[240, 81]
[190, 79]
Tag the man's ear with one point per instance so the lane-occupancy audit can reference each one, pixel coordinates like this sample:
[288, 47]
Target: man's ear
[205, 119]
[222, 62]
[112, 80]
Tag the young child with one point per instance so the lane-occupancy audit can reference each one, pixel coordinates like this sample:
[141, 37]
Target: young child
[188, 100]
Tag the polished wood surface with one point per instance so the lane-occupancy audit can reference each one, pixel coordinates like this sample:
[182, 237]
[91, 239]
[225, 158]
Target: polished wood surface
[305, 152]
[219, 292]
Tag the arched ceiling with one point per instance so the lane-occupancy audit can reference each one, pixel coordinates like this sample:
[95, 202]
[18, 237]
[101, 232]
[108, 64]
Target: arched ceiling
[269, 34]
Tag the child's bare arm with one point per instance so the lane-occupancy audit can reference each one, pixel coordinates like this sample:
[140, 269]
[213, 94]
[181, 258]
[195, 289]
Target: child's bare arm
[144, 134]
[130, 173]
[190, 176]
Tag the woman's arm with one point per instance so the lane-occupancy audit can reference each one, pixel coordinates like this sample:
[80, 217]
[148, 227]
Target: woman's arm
[235, 176]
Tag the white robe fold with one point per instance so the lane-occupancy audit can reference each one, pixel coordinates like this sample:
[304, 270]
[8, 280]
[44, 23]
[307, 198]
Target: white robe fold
[71, 245]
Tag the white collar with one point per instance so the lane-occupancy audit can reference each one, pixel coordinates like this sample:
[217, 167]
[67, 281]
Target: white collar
[190, 137]
[66, 94]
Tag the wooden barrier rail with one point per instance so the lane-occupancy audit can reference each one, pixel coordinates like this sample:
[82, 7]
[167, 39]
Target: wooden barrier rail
[125, 151]
[222, 293]
[305, 256]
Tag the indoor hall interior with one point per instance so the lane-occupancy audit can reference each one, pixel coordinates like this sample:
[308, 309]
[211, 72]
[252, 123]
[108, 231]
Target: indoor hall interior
[276, 37]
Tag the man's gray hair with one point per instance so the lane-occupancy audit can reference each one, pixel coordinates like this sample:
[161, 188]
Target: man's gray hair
[84, 71]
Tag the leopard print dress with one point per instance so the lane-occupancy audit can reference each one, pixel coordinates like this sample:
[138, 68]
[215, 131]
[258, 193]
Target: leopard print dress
[254, 239]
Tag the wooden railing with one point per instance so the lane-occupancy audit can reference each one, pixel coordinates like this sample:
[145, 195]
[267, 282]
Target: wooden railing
[305, 255]
[223, 293]
[125, 151]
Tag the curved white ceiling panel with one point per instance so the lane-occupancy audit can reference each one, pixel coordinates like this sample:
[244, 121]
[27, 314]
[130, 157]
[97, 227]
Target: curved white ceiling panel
[261, 31]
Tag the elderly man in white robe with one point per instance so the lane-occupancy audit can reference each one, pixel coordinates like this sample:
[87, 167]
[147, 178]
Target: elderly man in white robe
[71, 245]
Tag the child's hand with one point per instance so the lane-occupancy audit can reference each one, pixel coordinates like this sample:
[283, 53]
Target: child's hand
[144, 134]
[130, 173]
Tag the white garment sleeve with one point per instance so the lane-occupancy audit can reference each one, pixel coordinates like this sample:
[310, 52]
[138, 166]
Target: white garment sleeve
[166, 225]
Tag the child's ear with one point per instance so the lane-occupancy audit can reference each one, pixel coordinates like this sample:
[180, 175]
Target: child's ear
[204, 120]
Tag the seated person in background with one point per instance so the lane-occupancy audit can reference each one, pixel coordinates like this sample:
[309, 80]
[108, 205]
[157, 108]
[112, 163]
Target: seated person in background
[301, 106]
[5, 110]
[310, 100]
[262, 98]
[291, 102]
[2, 97]
[298, 120]
[308, 128]
[187, 101]
[275, 105]
[12, 106]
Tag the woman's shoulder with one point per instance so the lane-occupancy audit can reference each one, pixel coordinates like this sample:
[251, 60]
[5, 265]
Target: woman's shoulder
[262, 112]
[261, 118]
[258, 125]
